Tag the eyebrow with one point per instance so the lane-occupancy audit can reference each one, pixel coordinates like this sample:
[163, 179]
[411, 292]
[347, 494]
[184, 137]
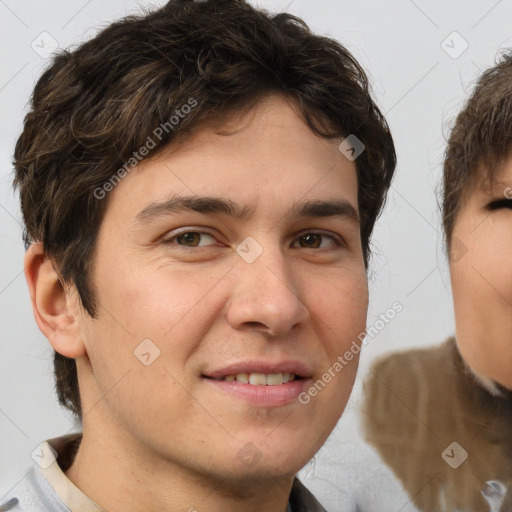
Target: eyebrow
[216, 205]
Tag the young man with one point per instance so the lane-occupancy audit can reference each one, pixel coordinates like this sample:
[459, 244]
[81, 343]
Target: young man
[199, 187]
[450, 406]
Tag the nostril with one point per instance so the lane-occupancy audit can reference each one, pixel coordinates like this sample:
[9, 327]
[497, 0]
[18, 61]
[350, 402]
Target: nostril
[254, 324]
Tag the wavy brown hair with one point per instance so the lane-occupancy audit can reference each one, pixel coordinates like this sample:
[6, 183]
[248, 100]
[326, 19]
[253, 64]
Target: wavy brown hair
[94, 106]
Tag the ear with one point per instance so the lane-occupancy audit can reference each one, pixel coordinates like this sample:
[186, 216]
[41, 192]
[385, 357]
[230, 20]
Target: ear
[55, 309]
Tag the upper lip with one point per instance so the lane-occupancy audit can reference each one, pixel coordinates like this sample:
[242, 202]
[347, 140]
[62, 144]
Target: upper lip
[284, 366]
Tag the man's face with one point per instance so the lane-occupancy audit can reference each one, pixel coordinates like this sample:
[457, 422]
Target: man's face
[481, 277]
[273, 293]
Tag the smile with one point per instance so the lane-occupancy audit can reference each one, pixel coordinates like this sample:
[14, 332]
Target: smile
[260, 379]
[259, 388]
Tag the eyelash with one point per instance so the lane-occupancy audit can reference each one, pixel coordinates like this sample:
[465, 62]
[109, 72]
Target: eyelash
[499, 203]
[170, 240]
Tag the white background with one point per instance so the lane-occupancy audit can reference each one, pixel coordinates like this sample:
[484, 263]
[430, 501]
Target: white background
[419, 87]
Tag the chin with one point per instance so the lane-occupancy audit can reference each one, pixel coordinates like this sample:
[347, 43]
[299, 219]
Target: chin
[277, 460]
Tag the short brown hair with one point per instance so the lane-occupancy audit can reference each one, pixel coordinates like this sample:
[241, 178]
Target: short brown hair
[480, 140]
[95, 106]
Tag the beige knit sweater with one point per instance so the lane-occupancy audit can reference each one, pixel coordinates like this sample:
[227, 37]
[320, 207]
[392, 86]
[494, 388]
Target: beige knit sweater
[418, 404]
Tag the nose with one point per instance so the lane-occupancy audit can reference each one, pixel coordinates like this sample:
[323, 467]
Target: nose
[266, 296]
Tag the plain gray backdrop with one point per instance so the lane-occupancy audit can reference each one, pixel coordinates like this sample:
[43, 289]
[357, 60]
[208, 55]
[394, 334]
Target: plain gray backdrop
[422, 56]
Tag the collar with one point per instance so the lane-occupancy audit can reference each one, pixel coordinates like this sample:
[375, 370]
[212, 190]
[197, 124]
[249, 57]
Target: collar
[64, 449]
[66, 490]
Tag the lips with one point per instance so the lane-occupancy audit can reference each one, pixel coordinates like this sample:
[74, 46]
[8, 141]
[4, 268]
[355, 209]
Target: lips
[261, 379]
[261, 373]
[268, 384]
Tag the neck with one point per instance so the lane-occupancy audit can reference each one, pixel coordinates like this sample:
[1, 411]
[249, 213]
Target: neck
[119, 475]
[484, 382]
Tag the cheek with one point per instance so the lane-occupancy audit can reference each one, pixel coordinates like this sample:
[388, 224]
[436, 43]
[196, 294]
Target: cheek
[144, 318]
[346, 304]
[482, 294]
[153, 302]
[348, 311]
[481, 276]
[339, 311]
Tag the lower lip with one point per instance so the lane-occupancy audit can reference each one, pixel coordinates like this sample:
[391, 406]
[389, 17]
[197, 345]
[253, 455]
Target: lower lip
[262, 396]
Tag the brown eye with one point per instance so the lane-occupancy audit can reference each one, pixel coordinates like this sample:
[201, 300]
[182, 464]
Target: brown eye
[315, 240]
[190, 239]
[310, 240]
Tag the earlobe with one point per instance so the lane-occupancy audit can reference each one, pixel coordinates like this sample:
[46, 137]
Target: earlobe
[54, 309]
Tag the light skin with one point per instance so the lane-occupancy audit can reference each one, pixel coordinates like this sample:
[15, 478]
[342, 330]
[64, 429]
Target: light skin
[172, 435]
[481, 278]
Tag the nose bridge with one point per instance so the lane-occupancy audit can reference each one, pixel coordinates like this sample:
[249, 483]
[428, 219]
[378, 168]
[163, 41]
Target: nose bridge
[266, 291]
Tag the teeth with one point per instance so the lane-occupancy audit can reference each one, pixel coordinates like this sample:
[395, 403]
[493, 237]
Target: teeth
[261, 379]
[243, 378]
[273, 379]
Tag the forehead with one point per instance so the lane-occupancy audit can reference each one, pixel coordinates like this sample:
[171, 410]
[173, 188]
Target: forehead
[267, 158]
[487, 179]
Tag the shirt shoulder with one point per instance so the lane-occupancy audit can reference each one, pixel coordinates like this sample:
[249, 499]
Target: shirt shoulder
[33, 493]
[301, 500]
[45, 487]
